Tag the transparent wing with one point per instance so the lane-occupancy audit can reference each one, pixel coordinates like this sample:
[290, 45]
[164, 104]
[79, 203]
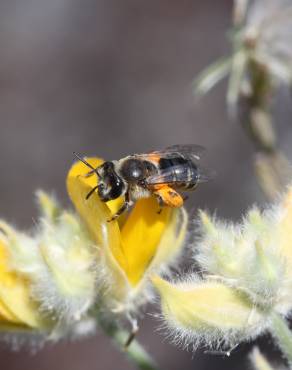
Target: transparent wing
[179, 174]
[191, 151]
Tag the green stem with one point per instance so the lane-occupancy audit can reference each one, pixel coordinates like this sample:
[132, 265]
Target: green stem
[257, 117]
[281, 332]
[272, 168]
[135, 352]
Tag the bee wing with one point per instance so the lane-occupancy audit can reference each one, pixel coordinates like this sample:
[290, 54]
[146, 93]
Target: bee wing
[191, 151]
[166, 176]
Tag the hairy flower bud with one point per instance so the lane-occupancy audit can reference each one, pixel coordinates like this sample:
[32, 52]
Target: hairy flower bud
[208, 312]
[247, 255]
[246, 283]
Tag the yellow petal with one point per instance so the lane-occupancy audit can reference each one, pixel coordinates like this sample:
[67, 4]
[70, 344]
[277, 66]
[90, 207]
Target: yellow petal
[141, 236]
[16, 305]
[95, 214]
[205, 305]
[171, 242]
[6, 315]
[93, 211]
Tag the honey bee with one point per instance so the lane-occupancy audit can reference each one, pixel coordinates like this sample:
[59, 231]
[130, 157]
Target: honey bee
[162, 173]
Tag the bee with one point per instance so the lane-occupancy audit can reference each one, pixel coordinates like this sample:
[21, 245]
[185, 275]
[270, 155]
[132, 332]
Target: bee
[162, 173]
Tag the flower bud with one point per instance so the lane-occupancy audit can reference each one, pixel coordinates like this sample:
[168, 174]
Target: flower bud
[208, 311]
[245, 255]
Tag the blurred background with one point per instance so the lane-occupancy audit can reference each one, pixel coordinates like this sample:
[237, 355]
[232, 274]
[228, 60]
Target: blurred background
[109, 78]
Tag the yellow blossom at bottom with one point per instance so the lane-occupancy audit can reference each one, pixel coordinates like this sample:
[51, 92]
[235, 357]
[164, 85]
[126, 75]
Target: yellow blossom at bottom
[47, 276]
[245, 277]
[207, 309]
[16, 306]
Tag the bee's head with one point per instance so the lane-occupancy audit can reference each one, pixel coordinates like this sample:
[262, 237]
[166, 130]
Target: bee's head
[110, 185]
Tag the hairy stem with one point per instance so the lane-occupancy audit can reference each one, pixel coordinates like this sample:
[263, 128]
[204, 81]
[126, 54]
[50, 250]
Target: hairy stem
[283, 336]
[272, 168]
[135, 352]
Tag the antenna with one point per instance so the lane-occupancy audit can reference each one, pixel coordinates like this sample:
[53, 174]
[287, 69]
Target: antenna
[81, 159]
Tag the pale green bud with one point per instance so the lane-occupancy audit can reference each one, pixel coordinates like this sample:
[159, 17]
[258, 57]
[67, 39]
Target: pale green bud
[208, 312]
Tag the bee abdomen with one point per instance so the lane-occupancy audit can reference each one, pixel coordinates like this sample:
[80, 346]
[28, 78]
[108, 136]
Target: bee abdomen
[183, 172]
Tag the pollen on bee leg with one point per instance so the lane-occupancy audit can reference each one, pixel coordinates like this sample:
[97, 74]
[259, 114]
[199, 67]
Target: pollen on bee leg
[169, 196]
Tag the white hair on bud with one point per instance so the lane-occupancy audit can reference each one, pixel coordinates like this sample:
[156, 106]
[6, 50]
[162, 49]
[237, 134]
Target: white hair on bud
[247, 255]
[61, 262]
[211, 338]
[68, 283]
[269, 28]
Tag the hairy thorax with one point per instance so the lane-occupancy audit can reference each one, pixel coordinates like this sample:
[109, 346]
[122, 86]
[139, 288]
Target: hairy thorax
[137, 192]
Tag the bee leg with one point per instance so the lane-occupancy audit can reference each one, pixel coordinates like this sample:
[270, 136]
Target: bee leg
[185, 197]
[90, 173]
[160, 203]
[120, 211]
[123, 209]
[91, 192]
[169, 196]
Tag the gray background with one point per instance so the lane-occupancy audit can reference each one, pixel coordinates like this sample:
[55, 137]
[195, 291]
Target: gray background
[110, 77]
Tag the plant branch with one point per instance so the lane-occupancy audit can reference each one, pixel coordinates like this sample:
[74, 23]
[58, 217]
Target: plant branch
[283, 336]
[135, 352]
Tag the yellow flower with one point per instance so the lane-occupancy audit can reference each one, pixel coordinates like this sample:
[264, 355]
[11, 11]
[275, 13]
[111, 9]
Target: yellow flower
[17, 309]
[48, 276]
[132, 247]
[52, 277]
[255, 255]
[247, 278]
